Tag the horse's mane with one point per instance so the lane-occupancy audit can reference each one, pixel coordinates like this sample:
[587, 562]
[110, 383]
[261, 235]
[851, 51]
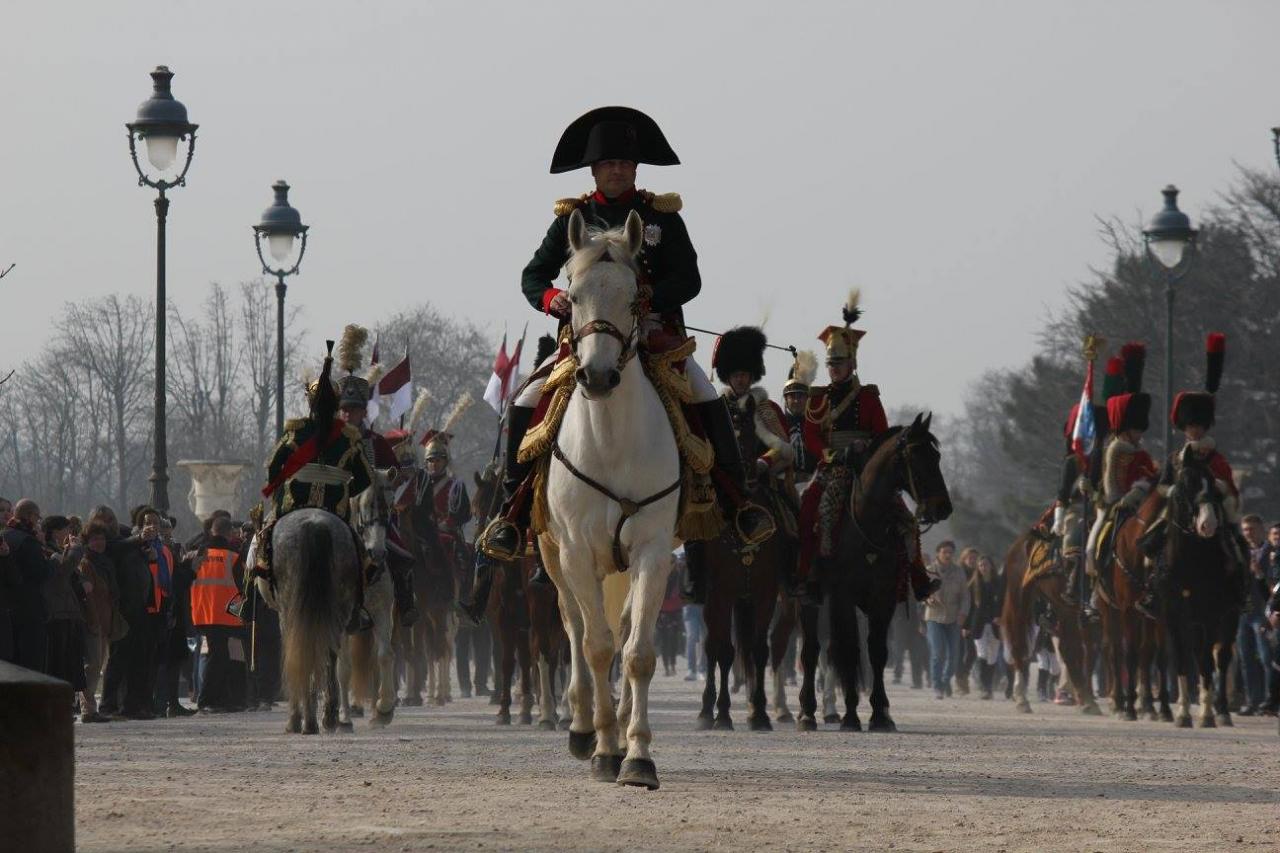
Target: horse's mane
[879, 441]
[605, 244]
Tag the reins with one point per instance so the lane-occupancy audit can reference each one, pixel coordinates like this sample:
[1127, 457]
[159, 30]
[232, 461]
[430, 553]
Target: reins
[901, 452]
[629, 508]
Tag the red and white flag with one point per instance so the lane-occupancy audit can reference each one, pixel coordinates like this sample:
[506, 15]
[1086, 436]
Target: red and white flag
[502, 384]
[395, 389]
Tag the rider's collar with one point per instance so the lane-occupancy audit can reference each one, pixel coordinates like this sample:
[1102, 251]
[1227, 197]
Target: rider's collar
[626, 198]
[1204, 446]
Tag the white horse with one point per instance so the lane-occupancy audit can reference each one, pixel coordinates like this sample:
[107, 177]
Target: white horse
[366, 664]
[615, 454]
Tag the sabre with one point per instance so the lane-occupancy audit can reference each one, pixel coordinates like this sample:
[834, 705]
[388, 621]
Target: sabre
[787, 348]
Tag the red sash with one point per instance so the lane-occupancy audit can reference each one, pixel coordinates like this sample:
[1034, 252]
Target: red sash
[304, 455]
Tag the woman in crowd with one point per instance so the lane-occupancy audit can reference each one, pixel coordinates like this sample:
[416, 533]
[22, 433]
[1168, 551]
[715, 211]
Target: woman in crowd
[983, 628]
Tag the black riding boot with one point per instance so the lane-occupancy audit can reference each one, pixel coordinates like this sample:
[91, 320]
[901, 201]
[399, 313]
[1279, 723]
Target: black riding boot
[360, 619]
[539, 569]
[503, 538]
[402, 584]
[695, 572]
[754, 524]
[474, 603]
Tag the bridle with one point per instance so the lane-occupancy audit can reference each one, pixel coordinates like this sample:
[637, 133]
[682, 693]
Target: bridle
[1181, 503]
[901, 456]
[605, 327]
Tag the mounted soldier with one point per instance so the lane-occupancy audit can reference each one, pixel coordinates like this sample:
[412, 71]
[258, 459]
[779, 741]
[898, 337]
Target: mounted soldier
[795, 397]
[612, 141]
[319, 462]
[842, 420]
[762, 438]
[354, 393]
[1128, 471]
[448, 495]
[1193, 412]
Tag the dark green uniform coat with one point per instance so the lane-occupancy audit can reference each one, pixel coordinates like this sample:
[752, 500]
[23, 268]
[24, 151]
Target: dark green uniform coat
[345, 451]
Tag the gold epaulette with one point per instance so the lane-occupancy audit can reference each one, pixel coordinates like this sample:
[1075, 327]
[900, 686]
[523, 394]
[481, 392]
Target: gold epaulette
[565, 206]
[662, 202]
[294, 424]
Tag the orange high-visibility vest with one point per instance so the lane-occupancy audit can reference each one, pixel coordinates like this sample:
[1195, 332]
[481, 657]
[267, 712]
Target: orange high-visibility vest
[157, 592]
[213, 589]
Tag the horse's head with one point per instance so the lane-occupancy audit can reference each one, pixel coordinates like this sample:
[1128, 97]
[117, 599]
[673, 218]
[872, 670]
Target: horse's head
[1195, 505]
[603, 296]
[921, 471]
[483, 499]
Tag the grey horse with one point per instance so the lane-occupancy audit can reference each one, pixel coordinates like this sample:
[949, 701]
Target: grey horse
[316, 570]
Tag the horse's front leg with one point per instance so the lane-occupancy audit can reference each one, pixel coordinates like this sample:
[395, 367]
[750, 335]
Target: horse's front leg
[386, 663]
[598, 651]
[639, 660]
[526, 680]
[810, 650]
[779, 640]
[1223, 652]
[878, 651]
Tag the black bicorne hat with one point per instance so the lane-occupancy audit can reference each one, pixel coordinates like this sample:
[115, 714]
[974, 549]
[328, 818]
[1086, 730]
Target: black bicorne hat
[612, 133]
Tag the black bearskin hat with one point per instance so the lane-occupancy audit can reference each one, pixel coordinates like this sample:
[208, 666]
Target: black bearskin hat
[740, 348]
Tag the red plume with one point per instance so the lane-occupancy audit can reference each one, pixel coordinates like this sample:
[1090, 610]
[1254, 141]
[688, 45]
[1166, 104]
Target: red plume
[1215, 357]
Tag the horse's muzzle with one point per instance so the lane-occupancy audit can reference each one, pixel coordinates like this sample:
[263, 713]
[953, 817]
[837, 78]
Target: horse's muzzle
[597, 383]
[936, 509]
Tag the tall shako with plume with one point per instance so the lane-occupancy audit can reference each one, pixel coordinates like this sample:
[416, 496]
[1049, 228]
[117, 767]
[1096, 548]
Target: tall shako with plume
[1132, 409]
[353, 390]
[842, 341]
[802, 373]
[1196, 408]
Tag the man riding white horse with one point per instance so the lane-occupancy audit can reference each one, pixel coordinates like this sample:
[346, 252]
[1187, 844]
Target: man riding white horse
[612, 141]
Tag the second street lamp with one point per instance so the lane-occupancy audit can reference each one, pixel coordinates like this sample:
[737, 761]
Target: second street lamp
[161, 124]
[281, 225]
[1170, 238]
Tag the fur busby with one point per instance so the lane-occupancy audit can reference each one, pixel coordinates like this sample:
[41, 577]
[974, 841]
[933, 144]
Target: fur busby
[1134, 356]
[1129, 411]
[546, 346]
[1113, 379]
[740, 348]
[803, 372]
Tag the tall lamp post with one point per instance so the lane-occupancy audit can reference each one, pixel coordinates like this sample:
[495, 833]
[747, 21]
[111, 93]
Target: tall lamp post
[1169, 235]
[161, 125]
[281, 224]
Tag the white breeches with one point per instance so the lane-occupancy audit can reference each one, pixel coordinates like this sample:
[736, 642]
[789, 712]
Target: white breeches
[987, 646]
[703, 390]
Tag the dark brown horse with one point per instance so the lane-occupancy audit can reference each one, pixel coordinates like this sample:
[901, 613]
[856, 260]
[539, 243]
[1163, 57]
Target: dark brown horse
[1133, 643]
[427, 644]
[1033, 571]
[868, 561]
[1202, 594]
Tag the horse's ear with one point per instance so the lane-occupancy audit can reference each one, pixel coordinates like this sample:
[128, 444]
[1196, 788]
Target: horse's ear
[578, 231]
[928, 421]
[915, 424]
[634, 230]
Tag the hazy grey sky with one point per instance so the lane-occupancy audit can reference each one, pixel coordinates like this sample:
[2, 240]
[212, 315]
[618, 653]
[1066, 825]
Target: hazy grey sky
[947, 157]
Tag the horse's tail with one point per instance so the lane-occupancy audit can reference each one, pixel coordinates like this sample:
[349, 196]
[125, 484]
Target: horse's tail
[363, 665]
[308, 611]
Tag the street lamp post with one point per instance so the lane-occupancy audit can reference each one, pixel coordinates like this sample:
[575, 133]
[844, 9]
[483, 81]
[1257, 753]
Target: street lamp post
[161, 124]
[281, 224]
[1169, 235]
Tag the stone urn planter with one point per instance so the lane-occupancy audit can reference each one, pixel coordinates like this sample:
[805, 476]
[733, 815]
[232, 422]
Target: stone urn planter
[215, 484]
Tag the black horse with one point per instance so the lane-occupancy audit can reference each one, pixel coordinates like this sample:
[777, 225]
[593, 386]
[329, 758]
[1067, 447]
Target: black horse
[866, 572]
[1202, 591]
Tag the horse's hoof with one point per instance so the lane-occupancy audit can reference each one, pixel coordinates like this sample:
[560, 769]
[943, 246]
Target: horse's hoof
[494, 698]
[346, 728]
[703, 724]
[1024, 707]
[760, 723]
[412, 701]
[504, 718]
[440, 701]
[380, 720]
[723, 724]
[1225, 720]
[294, 725]
[330, 724]
[851, 723]
[1151, 716]
[784, 717]
[357, 710]
[1166, 715]
[1208, 722]
[638, 773]
[1089, 709]
[882, 724]
[831, 719]
[311, 727]
[1129, 715]
[582, 744]
[1183, 721]
[564, 724]
[605, 768]
[546, 725]
[526, 718]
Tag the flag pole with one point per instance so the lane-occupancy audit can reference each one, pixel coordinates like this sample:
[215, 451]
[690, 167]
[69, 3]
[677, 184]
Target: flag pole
[1092, 343]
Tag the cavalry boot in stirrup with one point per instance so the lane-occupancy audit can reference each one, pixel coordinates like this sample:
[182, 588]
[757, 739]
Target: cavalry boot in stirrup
[753, 522]
[503, 539]
[474, 605]
[695, 573]
[539, 570]
[360, 619]
[402, 584]
[1073, 582]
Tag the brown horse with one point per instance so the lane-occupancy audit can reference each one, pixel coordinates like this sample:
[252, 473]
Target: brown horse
[1033, 571]
[867, 565]
[1133, 643]
[429, 640]
[791, 613]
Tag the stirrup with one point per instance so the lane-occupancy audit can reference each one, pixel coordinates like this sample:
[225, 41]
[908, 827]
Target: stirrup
[501, 541]
[760, 525]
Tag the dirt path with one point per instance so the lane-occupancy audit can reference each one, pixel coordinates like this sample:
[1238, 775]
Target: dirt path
[963, 775]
